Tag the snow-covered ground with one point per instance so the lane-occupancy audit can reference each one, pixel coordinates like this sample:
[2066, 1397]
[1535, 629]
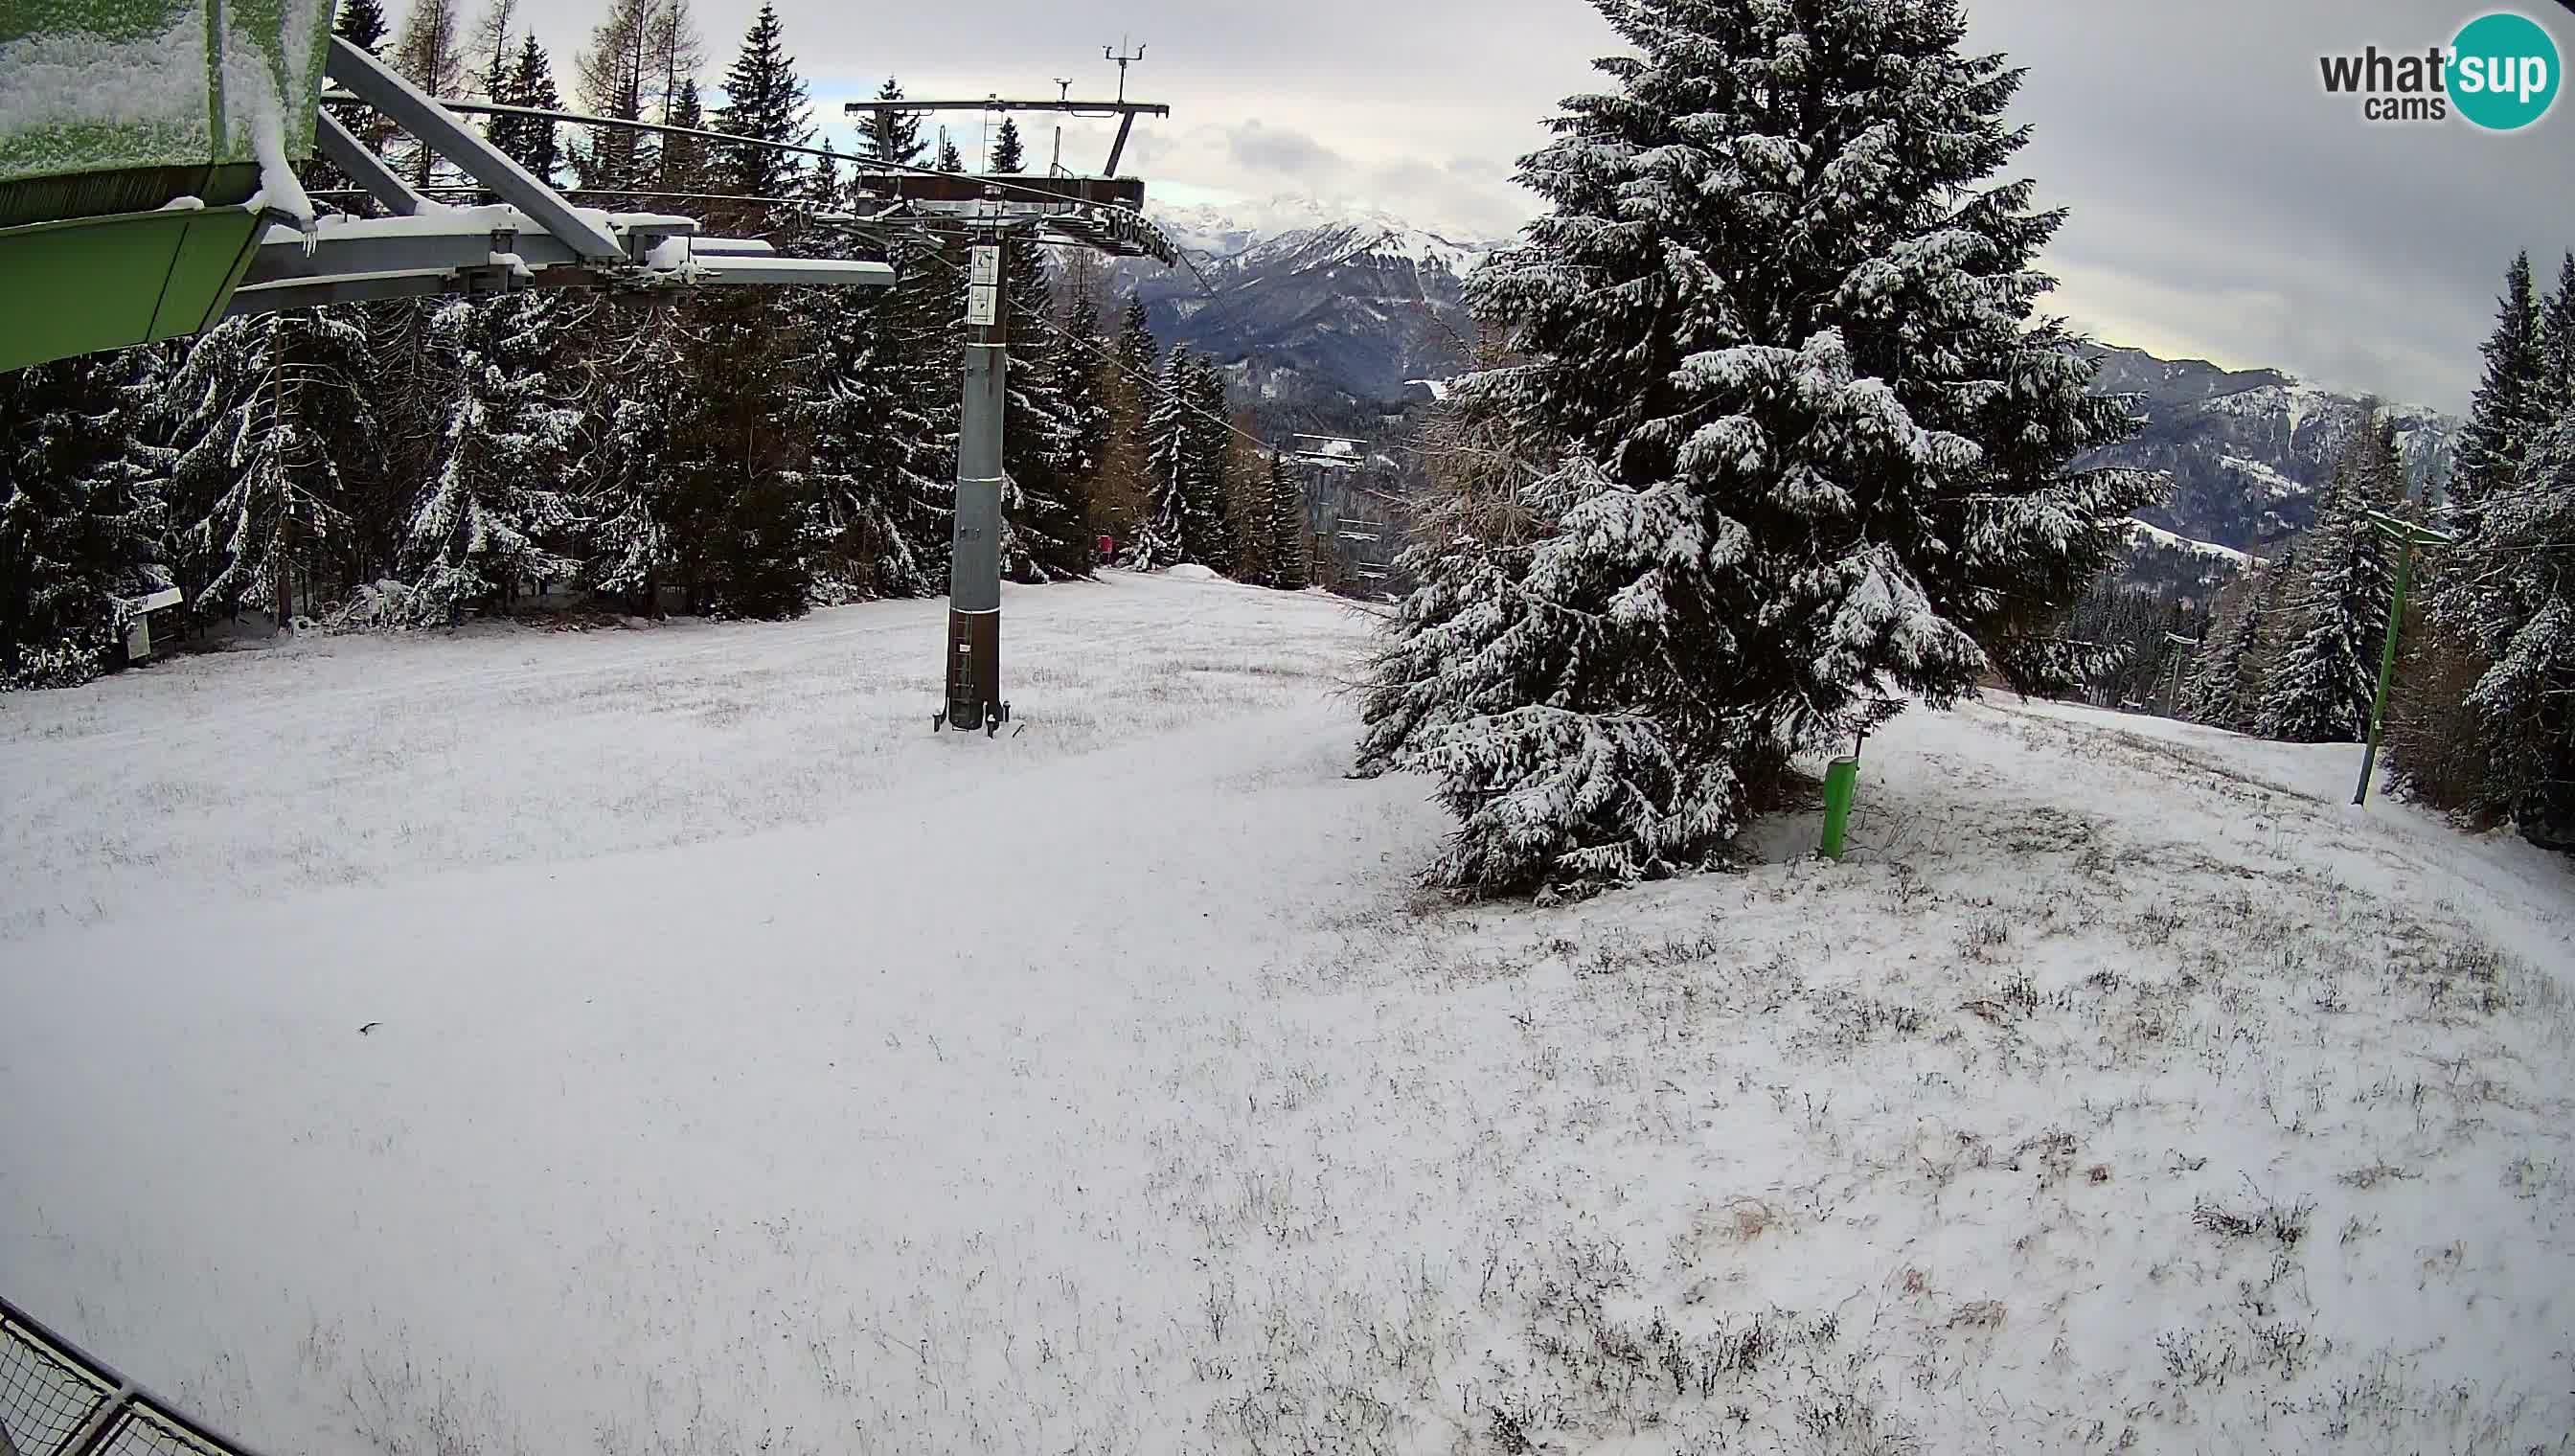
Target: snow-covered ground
[2140, 530]
[752, 1070]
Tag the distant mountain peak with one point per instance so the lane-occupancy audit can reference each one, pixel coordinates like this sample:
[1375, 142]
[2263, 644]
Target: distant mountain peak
[1228, 231]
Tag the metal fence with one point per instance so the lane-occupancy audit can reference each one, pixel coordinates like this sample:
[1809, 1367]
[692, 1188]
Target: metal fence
[57, 1401]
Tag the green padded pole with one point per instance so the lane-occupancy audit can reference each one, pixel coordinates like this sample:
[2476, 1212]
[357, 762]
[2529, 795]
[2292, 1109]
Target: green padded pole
[1841, 782]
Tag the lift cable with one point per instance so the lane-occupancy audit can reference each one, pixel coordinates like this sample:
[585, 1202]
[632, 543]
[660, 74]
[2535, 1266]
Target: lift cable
[728, 139]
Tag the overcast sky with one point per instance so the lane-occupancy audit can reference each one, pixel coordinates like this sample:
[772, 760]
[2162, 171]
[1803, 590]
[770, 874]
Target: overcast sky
[2224, 206]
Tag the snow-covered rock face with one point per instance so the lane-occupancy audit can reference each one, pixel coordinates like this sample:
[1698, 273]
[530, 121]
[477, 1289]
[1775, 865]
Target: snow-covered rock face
[2248, 449]
[1321, 302]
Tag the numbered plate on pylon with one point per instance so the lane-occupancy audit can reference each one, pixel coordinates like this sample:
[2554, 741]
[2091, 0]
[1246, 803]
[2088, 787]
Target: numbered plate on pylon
[987, 264]
[983, 306]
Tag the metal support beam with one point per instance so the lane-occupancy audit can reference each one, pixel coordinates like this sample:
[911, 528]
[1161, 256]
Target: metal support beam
[1129, 109]
[1118, 148]
[733, 268]
[374, 248]
[366, 168]
[437, 128]
[452, 251]
[974, 187]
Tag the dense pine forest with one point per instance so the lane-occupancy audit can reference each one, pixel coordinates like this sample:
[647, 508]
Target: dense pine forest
[418, 463]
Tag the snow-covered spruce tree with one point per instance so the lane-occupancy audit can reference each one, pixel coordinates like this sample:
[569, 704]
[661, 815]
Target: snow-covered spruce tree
[864, 476]
[740, 534]
[80, 513]
[1816, 440]
[493, 517]
[640, 394]
[1077, 369]
[2556, 391]
[2214, 694]
[1124, 487]
[1290, 568]
[683, 162]
[926, 313]
[1048, 507]
[2319, 690]
[1161, 537]
[2440, 747]
[1209, 528]
[2502, 415]
[256, 489]
[949, 158]
[2524, 593]
[404, 376]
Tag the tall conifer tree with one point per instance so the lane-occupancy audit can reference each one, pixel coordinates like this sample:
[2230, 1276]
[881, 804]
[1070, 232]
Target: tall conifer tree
[1781, 314]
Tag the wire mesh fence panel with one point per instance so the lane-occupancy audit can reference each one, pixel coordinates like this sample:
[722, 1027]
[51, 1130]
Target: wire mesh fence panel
[45, 1399]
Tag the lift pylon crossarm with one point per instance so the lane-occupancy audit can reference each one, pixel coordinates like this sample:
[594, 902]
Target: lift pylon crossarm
[497, 247]
[372, 82]
[996, 103]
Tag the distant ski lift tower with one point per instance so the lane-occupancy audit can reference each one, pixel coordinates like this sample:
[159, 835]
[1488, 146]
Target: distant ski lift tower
[1367, 546]
[1102, 213]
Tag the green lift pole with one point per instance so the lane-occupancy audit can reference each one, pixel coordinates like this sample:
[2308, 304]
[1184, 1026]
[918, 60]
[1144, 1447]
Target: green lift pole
[2407, 537]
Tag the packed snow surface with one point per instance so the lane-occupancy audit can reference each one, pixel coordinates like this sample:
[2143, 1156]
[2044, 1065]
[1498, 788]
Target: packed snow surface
[747, 1069]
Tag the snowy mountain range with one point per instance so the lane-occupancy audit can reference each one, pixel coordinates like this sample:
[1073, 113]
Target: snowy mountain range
[1327, 316]
[1316, 309]
[1231, 230]
[2249, 449]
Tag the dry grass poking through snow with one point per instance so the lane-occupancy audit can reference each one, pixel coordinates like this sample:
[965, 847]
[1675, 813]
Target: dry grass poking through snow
[2050, 1127]
[2122, 1092]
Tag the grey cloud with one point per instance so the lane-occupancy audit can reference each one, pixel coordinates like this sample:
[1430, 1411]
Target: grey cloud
[2221, 203]
[1290, 153]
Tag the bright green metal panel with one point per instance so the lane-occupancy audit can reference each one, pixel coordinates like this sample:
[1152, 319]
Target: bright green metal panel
[119, 105]
[110, 109]
[110, 283]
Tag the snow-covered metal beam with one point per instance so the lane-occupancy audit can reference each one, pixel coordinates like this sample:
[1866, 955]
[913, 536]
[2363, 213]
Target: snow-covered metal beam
[366, 168]
[370, 81]
[494, 248]
[724, 268]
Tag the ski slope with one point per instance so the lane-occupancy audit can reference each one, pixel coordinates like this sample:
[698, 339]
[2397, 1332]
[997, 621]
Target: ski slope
[748, 1069]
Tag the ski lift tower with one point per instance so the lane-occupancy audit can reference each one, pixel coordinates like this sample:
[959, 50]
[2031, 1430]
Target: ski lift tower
[2184, 647]
[1364, 543]
[983, 212]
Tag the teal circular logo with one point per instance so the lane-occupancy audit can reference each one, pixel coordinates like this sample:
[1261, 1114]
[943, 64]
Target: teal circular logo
[2503, 71]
